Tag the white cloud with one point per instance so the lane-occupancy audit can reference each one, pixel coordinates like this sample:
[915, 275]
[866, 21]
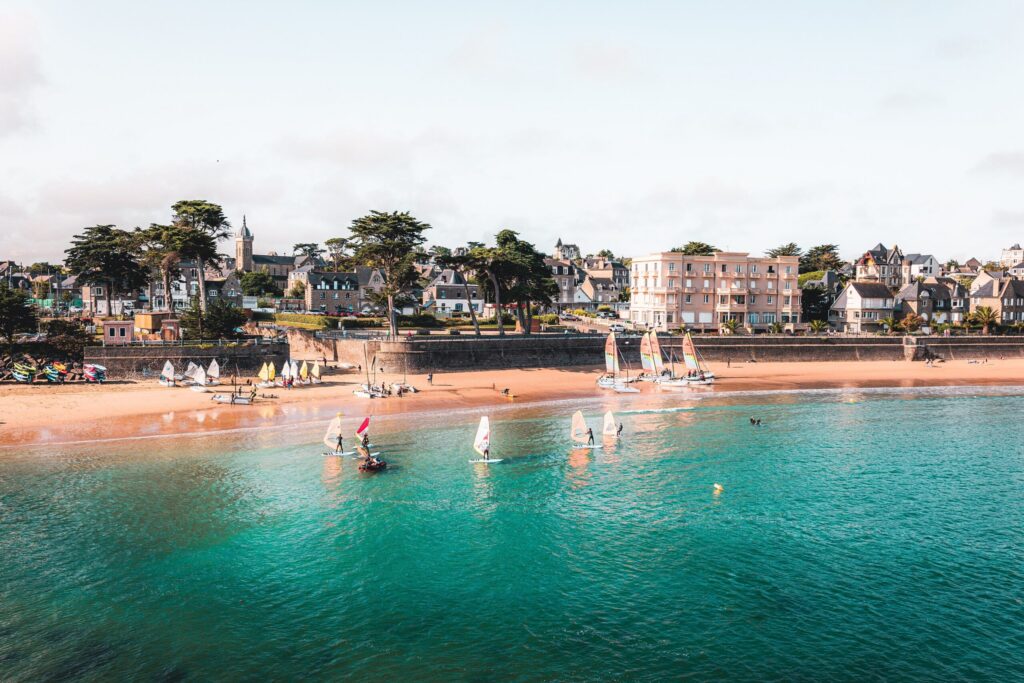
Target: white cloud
[1001, 163]
[21, 72]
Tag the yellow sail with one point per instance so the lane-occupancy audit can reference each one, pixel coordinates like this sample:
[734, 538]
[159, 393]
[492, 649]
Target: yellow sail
[271, 372]
[264, 373]
[333, 432]
[482, 442]
[315, 372]
[304, 370]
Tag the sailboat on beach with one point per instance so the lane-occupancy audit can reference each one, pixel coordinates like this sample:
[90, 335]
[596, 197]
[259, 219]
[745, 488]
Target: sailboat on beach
[199, 380]
[266, 376]
[651, 360]
[580, 432]
[697, 372]
[167, 375]
[482, 442]
[213, 373]
[314, 374]
[611, 379]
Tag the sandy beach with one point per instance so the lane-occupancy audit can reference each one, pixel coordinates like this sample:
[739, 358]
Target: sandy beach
[42, 413]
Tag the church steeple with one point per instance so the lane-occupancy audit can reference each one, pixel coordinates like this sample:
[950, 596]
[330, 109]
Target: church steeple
[243, 248]
[244, 232]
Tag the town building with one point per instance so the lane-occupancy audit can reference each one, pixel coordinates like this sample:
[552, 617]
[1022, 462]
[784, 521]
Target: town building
[566, 275]
[882, 265]
[246, 261]
[339, 293]
[672, 290]
[1011, 256]
[565, 252]
[445, 296]
[861, 307]
[920, 265]
[935, 301]
[1005, 298]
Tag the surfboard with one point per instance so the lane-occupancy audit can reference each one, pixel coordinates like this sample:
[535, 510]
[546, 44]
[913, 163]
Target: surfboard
[481, 460]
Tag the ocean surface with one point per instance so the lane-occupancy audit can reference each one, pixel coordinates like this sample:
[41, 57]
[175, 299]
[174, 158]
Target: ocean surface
[860, 536]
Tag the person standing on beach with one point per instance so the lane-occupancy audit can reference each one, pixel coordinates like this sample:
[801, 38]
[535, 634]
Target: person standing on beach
[430, 378]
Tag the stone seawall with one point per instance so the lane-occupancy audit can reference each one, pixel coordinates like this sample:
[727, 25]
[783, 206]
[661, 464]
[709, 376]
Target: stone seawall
[243, 359]
[428, 354]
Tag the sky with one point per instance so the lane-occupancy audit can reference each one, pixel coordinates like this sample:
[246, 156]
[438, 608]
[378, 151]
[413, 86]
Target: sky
[632, 126]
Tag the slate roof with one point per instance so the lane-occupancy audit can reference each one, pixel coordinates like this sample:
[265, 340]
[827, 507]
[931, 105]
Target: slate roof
[871, 290]
[917, 259]
[267, 259]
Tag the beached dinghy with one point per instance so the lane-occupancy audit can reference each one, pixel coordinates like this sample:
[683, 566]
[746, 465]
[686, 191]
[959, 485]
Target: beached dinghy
[580, 432]
[232, 399]
[199, 380]
[314, 374]
[266, 376]
[167, 375]
[611, 379]
[482, 442]
[697, 373]
[213, 373]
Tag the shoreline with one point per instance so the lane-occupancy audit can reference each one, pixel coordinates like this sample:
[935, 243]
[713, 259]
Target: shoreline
[43, 414]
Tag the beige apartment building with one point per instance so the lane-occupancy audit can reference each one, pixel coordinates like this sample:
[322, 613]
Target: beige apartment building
[670, 290]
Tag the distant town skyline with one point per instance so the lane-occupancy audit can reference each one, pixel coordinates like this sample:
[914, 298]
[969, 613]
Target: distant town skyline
[633, 127]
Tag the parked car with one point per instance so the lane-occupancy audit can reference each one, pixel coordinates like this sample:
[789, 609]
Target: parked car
[617, 327]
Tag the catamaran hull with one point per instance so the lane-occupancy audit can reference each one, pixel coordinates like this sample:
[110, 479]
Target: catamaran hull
[236, 400]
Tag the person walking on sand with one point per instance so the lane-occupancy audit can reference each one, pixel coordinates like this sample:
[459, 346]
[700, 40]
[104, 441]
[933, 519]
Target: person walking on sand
[430, 378]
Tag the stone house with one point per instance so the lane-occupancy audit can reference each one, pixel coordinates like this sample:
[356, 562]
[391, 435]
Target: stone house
[861, 307]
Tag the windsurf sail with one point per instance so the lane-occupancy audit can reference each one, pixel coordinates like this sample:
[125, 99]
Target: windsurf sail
[690, 354]
[168, 372]
[363, 427]
[611, 355]
[199, 377]
[610, 426]
[646, 355]
[482, 442]
[656, 357]
[579, 428]
[264, 373]
[213, 372]
[333, 432]
[304, 370]
[315, 372]
[190, 371]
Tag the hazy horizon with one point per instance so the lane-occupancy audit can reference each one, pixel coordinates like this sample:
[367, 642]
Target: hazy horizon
[634, 128]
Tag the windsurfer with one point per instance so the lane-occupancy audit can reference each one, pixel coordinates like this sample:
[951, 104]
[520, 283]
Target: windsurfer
[590, 436]
[618, 432]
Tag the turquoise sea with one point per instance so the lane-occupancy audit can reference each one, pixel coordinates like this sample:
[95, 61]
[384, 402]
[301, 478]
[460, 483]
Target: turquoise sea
[861, 535]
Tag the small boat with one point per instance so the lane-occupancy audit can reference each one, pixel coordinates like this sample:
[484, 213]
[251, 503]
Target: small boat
[232, 399]
[314, 373]
[580, 432]
[199, 380]
[213, 373]
[611, 427]
[482, 442]
[266, 376]
[293, 371]
[190, 372]
[372, 464]
[286, 373]
[167, 375]
[611, 379]
[94, 373]
[368, 391]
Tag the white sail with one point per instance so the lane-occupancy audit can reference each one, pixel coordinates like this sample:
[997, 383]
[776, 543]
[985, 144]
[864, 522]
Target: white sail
[295, 370]
[610, 426]
[482, 442]
[656, 358]
[168, 372]
[190, 371]
[213, 372]
[199, 377]
[315, 372]
[286, 370]
[579, 428]
[333, 432]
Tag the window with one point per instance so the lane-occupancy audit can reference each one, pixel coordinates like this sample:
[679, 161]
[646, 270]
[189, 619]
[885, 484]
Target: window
[789, 270]
[722, 299]
[771, 299]
[707, 298]
[671, 267]
[788, 285]
[739, 268]
[323, 295]
[723, 267]
[707, 284]
[771, 284]
[753, 284]
[753, 298]
[771, 270]
[689, 267]
[753, 268]
[785, 301]
[753, 318]
[121, 331]
[689, 282]
[687, 299]
[707, 267]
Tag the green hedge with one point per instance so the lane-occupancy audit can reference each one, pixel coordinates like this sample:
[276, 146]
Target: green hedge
[305, 320]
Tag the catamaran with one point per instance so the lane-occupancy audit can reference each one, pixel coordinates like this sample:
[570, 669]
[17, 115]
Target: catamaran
[611, 379]
[697, 372]
[651, 359]
[482, 441]
[167, 375]
[611, 428]
[580, 432]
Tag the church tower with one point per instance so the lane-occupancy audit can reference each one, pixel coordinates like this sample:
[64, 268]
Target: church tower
[243, 249]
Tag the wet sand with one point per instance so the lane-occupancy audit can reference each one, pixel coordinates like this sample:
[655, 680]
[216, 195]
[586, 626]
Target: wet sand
[41, 413]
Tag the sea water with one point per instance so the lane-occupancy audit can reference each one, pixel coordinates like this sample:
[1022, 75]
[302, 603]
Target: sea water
[857, 536]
